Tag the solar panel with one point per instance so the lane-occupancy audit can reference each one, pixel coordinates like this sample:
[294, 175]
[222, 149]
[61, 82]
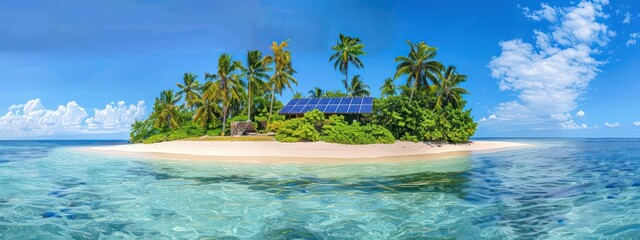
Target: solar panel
[343, 109]
[331, 108]
[320, 107]
[303, 101]
[307, 108]
[343, 105]
[366, 109]
[334, 100]
[296, 109]
[354, 108]
[293, 102]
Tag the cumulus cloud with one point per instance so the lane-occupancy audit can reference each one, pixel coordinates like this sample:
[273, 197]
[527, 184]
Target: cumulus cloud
[573, 125]
[115, 117]
[546, 12]
[33, 119]
[636, 123]
[550, 75]
[612, 125]
[493, 116]
[632, 39]
[627, 18]
[580, 114]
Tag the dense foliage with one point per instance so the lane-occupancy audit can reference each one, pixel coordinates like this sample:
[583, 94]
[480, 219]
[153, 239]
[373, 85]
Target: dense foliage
[427, 105]
[336, 130]
[411, 121]
[314, 126]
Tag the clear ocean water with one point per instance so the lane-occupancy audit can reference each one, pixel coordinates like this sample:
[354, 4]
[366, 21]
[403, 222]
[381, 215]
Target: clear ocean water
[561, 189]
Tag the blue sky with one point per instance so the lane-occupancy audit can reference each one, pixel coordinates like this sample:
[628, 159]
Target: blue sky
[105, 61]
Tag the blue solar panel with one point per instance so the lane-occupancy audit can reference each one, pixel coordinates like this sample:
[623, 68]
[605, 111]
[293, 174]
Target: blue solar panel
[293, 102]
[307, 108]
[296, 109]
[334, 101]
[286, 109]
[354, 109]
[366, 109]
[320, 107]
[343, 109]
[344, 105]
[331, 108]
[303, 101]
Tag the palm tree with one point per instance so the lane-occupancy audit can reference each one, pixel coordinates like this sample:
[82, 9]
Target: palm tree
[190, 89]
[139, 130]
[166, 110]
[297, 95]
[388, 88]
[227, 86]
[418, 66]
[283, 75]
[316, 93]
[256, 74]
[357, 88]
[208, 108]
[347, 51]
[448, 89]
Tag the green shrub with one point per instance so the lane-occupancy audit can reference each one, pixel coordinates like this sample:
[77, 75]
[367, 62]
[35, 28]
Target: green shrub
[274, 126]
[178, 134]
[298, 129]
[155, 139]
[336, 130]
[214, 132]
[313, 127]
[193, 130]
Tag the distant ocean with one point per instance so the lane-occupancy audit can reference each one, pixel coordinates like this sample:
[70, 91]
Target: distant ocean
[561, 189]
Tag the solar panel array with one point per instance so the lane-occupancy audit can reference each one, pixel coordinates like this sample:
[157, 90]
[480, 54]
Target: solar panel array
[341, 105]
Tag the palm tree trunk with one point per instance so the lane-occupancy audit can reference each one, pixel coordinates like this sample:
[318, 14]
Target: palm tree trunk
[224, 120]
[250, 98]
[273, 97]
[346, 73]
[412, 90]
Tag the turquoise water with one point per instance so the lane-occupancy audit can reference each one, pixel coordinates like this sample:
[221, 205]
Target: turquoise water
[561, 189]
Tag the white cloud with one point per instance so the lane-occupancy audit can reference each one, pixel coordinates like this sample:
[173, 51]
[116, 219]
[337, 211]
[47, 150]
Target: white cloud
[561, 117]
[115, 117]
[632, 39]
[636, 123]
[573, 125]
[580, 114]
[33, 119]
[493, 116]
[627, 18]
[482, 120]
[551, 75]
[546, 12]
[612, 125]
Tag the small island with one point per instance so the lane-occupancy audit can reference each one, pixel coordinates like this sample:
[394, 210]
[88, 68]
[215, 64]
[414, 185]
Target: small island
[234, 113]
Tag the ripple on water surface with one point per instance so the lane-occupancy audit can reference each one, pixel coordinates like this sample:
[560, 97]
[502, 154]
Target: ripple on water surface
[560, 189]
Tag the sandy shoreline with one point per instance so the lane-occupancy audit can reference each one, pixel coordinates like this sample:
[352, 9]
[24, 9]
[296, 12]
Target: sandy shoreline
[307, 152]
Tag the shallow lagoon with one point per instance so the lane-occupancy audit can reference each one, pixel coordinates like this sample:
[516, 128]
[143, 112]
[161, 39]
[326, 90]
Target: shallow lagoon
[562, 188]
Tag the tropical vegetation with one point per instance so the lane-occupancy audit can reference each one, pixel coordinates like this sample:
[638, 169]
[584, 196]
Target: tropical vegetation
[426, 105]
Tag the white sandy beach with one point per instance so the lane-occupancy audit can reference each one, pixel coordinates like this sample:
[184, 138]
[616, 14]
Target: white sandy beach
[275, 152]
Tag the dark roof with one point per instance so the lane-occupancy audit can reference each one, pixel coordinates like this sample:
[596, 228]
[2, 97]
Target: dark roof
[339, 105]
